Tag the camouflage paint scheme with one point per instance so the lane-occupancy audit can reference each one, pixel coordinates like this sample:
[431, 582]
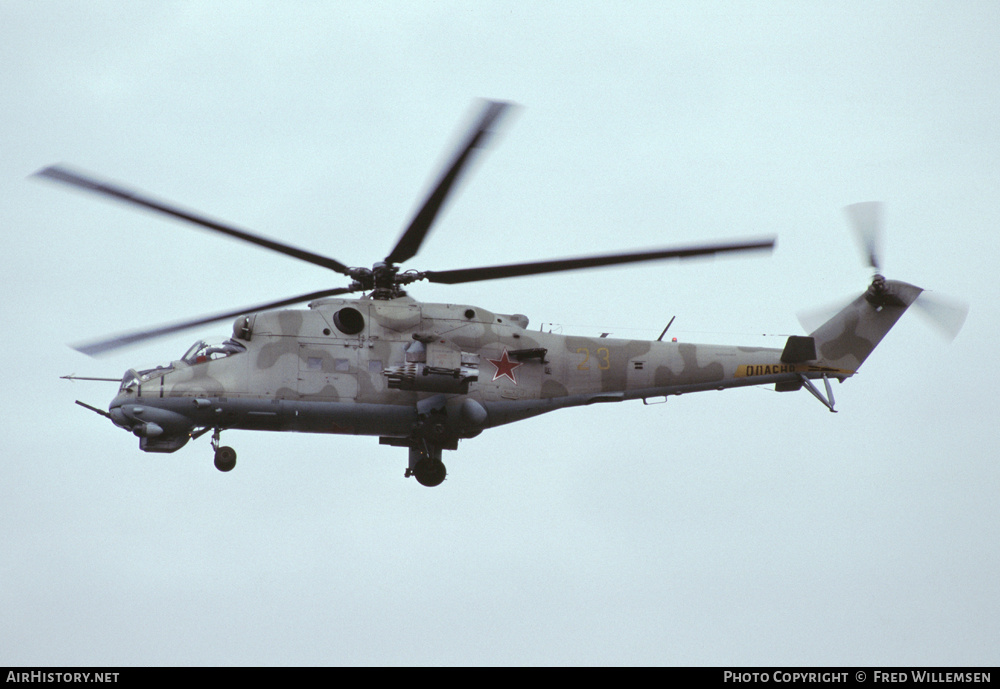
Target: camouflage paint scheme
[302, 372]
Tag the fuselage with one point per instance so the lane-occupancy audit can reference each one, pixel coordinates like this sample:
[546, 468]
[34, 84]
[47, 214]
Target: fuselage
[377, 367]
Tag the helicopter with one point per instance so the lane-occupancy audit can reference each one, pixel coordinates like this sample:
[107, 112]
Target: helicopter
[424, 376]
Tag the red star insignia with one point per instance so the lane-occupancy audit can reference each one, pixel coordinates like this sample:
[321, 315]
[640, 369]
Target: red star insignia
[505, 367]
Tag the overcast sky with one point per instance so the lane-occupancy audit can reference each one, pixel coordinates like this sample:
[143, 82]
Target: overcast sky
[735, 528]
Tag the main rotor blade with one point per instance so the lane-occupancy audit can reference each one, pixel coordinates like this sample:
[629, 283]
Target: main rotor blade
[409, 243]
[866, 219]
[87, 183]
[452, 277]
[125, 339]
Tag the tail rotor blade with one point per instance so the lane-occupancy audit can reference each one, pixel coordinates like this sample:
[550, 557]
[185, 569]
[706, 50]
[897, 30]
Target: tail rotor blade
[866, 219]
[945, 314]
[811, 319]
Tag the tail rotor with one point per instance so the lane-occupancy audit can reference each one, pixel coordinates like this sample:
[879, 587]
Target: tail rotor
[945, 314]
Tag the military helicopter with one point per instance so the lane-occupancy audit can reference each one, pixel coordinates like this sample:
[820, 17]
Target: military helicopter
[424, 376]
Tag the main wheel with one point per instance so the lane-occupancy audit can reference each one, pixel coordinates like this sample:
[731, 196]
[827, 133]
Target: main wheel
[225, 459]
[430, 472]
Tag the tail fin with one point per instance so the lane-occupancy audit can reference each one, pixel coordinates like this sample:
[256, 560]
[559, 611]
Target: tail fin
[846, 340]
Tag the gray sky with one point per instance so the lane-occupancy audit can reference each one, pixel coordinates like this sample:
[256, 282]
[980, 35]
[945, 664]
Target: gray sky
[743, 527]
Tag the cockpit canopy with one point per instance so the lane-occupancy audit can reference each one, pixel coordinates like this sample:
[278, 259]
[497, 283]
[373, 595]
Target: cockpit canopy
[133, 378]
[198, 353]
[202, 351]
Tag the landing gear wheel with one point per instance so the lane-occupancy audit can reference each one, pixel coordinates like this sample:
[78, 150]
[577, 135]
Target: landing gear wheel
[430, 472]
[225, 458]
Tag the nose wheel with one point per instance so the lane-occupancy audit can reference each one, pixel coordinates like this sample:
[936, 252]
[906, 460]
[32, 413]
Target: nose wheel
[225, 457]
